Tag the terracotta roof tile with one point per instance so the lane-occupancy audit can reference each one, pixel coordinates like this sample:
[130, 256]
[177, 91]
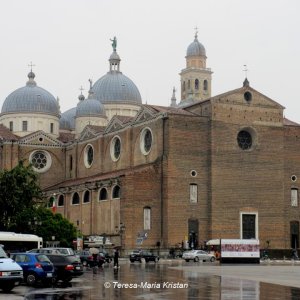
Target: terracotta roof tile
[66, 137]
[6, 134]
[169, 109]
[288, 122]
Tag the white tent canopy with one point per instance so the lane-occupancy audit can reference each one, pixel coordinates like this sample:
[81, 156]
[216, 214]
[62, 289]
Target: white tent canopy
[213, 242]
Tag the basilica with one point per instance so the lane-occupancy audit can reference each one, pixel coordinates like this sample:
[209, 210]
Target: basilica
[148, 176]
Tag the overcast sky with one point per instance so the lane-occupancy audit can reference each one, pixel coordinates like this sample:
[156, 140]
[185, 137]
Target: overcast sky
[68, 41]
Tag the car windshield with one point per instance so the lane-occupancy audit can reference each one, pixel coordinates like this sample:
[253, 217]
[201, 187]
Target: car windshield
[2, 253]
[63, 251]
[66, 251]
[42, 258]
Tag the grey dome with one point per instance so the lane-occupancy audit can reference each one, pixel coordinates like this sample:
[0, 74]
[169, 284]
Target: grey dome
[195, 48]
[116, 87]
[67, 120]
[31, 98]
[114, 56]
[90, 107]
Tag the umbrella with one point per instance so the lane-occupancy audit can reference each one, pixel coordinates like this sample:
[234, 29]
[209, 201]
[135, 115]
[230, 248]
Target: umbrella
[94, 250]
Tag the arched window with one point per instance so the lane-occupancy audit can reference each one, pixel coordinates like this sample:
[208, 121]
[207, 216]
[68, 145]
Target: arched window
[116, 192]
[193, 193]
[71, 162]
[86, 197]
[75, 199]
[205, 85]
[103, 194]
[61, 200]
[294, 197]
[147, 218]
[196, 84]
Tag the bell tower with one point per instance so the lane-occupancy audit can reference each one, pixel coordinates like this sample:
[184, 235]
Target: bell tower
[196, 77]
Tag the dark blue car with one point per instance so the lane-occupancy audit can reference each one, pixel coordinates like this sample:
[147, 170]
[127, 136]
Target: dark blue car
[36, 267]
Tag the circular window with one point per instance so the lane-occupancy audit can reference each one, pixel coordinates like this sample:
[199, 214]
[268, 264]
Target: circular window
[40, 160]
[115, 148]
[294, 178]
[146, 141]
[244, 140]
[88, 156]
[193, 173]
[248, 96]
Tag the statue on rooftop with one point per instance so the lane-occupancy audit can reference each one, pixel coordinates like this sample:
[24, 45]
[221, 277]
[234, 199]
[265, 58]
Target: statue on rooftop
[114, 43]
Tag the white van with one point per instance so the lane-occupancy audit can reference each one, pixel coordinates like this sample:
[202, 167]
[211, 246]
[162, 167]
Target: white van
[11, 274]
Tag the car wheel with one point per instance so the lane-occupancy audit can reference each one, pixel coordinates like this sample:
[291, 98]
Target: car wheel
[187, 260]
[132, 261]
[31, 279]
[146, 260]
[212, 259]
[196, 259]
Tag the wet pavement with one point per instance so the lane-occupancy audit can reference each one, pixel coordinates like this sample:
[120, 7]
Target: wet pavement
[176, 280]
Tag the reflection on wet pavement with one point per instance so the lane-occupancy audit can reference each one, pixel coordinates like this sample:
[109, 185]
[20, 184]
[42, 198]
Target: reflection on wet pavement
[160, 282]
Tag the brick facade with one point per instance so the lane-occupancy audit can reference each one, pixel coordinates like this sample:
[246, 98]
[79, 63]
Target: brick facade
[195, 147]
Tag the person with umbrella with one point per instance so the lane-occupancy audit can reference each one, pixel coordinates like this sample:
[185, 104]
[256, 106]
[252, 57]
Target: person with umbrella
[116, 258]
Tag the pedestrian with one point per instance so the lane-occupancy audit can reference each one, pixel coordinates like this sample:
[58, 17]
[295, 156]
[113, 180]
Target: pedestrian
[95, 259]
[116, 258]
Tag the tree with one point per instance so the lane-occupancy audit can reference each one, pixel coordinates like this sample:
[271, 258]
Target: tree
[19, 190]
[51, 225]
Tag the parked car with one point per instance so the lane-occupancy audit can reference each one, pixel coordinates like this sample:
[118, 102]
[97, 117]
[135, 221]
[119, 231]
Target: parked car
[138, 255]
[87, 259]
[36, 267]
[53, 250]
[66, 266]
[11, 274]
[197, 255]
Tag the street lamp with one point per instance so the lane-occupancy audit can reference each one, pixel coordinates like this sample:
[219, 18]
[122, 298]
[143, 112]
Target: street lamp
[122, 231]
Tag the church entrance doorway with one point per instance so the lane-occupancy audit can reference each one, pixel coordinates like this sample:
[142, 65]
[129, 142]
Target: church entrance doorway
[193, 229]
[294, 230]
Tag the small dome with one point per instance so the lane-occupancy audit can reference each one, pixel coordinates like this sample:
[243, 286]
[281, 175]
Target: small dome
[81, 97]
[90, 107]
[114, 56]
[195, 48]
[116, 87]
[31, 98]
[67, 119]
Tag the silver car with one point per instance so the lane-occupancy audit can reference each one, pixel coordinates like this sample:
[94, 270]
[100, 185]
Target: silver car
[197, 255]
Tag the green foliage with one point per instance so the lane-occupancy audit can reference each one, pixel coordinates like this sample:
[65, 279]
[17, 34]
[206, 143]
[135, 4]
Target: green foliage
[18, 190]
[51, 225]
[19, 195]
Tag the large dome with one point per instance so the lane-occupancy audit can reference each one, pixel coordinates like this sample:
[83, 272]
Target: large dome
[32, 99]
[116, 87]
[195, 48]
